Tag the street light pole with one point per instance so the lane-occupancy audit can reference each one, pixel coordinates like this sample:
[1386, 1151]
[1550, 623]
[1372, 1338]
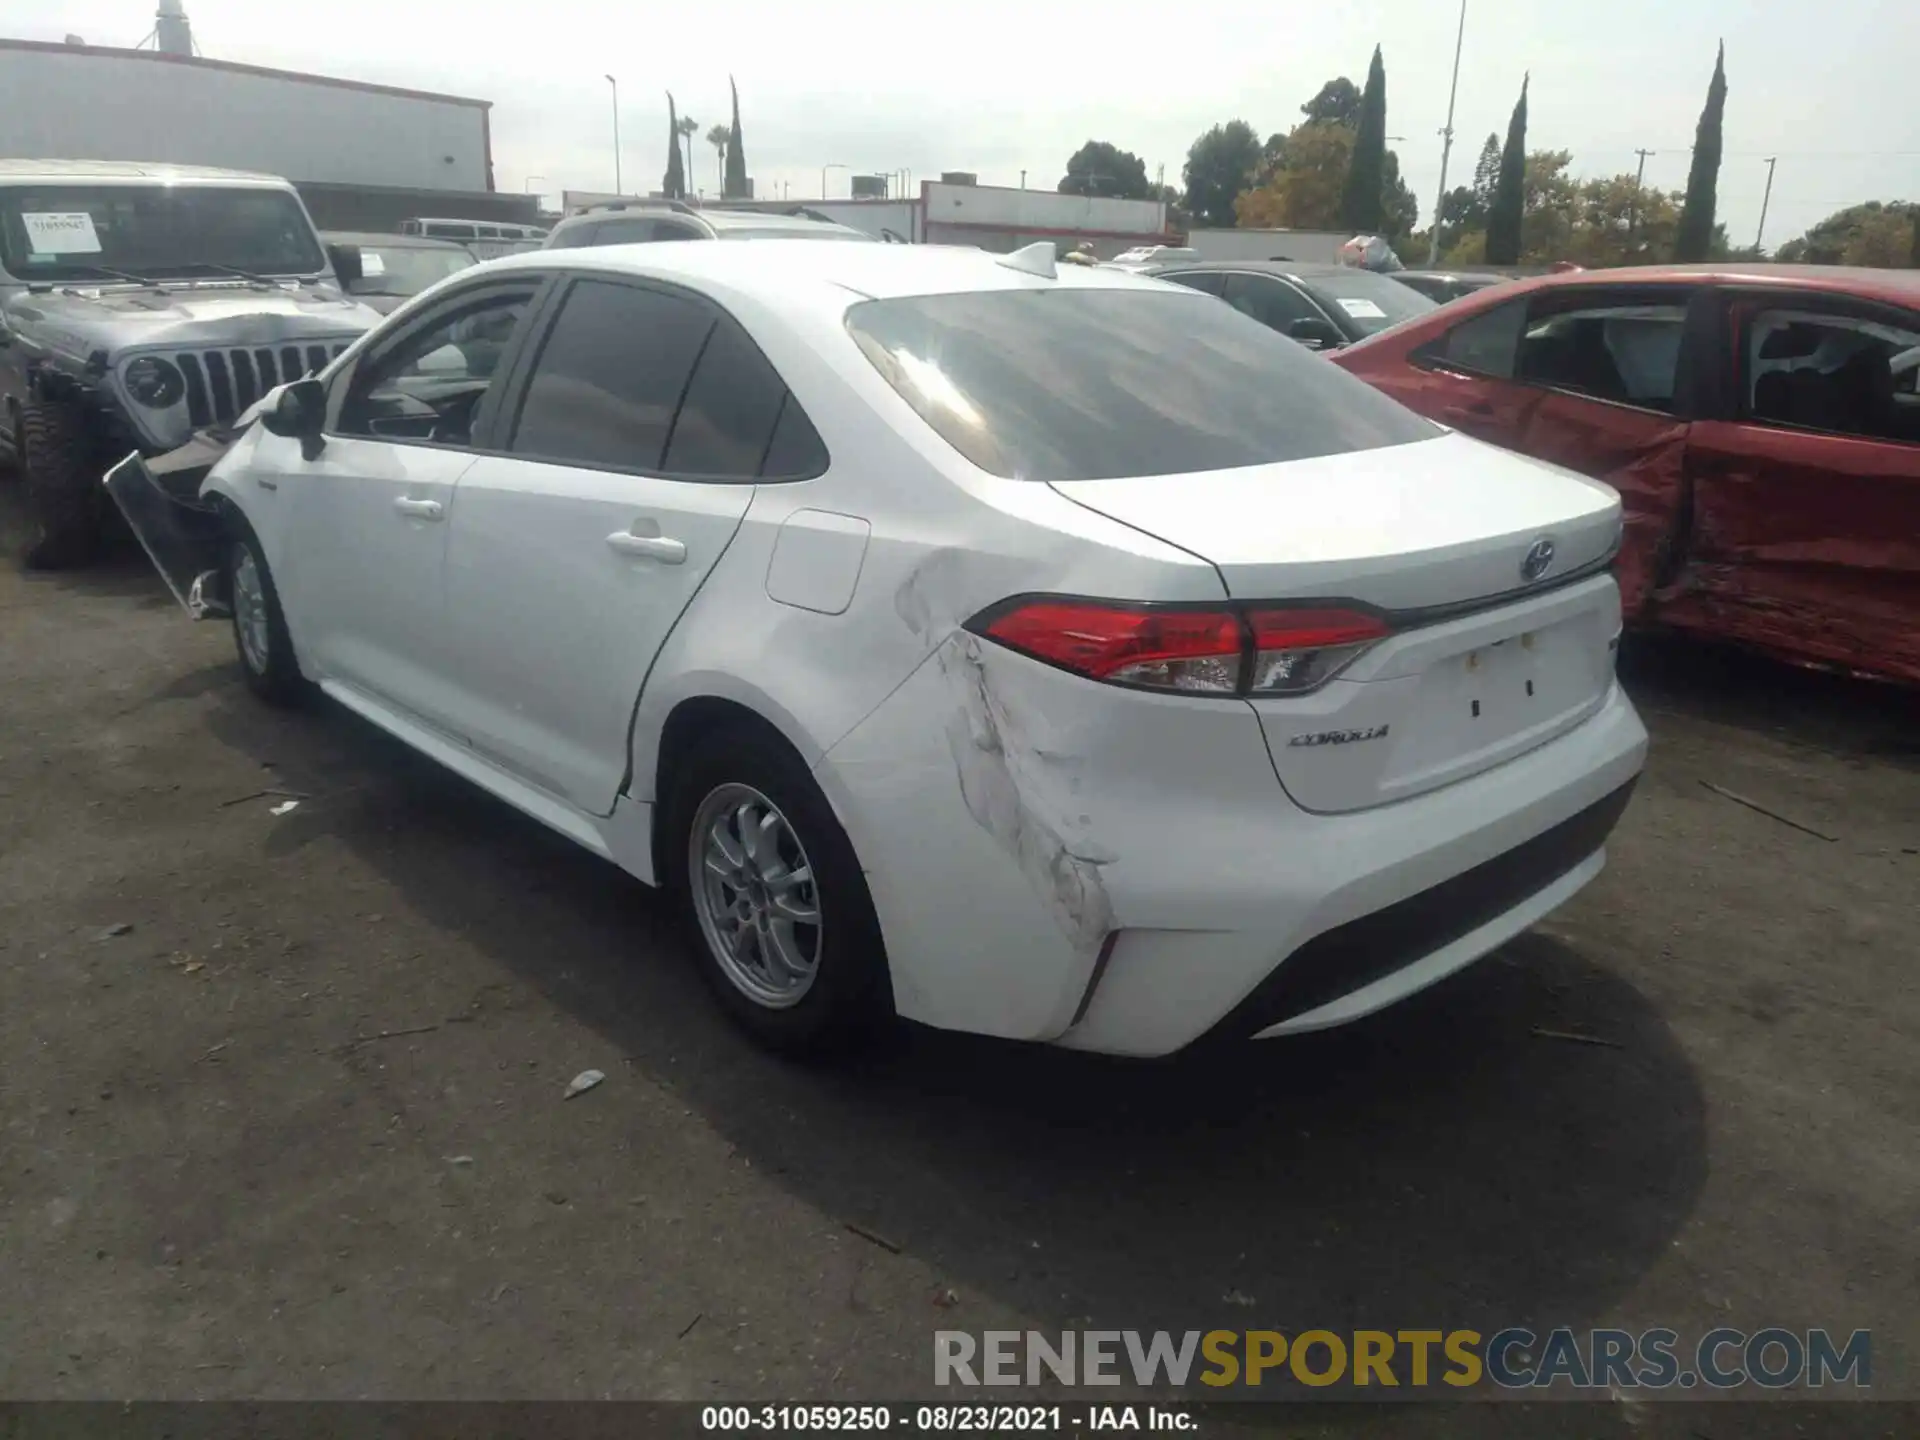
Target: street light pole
[1446, 140]
[1772, 160]
[618, 189]
[823, 177]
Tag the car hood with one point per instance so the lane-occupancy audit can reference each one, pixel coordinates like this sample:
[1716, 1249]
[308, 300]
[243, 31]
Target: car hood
[84, 320]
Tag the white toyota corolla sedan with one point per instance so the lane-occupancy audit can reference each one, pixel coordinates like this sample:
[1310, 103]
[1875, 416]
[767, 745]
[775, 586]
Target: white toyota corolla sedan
[1050, 654]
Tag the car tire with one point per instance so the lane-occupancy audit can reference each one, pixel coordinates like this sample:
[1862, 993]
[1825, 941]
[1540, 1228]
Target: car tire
[260, 637]
[844, 1000]
[65, 499]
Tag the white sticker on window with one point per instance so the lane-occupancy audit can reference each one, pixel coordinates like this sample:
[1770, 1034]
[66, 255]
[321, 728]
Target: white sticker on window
[65, 233]
[1363, 310]
[372, 262]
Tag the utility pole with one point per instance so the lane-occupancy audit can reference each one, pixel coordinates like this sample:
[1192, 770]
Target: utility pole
[618, 189]
[1633, 205]
[1446, 140]
[1772, 160]
[1023, 179]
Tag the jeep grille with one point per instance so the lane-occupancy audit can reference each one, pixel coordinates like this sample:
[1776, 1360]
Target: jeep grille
[222, 383]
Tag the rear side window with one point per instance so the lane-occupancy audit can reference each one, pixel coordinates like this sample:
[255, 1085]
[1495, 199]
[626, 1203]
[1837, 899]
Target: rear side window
[1488, 344]
[726, 422]
[1209, 281]
[1088, 384]
[608, 380]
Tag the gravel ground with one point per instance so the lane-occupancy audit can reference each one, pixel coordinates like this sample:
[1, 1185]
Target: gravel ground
[284, 1118]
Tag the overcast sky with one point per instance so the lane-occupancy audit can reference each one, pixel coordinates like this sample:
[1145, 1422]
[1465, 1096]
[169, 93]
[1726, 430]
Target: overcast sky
[1004, 86]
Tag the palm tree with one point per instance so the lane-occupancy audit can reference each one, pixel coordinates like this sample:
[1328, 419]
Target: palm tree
[719, 137]
[688, 126]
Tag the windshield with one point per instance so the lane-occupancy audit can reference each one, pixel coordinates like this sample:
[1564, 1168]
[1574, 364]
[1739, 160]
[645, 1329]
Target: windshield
[73, 232]
[405, 270]
[1369, 302]
[1094, 384]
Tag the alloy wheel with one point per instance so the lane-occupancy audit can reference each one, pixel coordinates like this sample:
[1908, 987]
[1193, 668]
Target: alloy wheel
[250, 611]
[755, 896]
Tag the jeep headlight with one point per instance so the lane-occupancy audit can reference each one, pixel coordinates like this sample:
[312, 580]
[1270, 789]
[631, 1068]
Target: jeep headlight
[154, 383]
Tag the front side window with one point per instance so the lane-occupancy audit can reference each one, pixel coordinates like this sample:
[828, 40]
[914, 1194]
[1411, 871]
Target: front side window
[106, 232]
[1629, 353]
[609, 377]
[429, 386]
[1074, 383]
[1841, 374]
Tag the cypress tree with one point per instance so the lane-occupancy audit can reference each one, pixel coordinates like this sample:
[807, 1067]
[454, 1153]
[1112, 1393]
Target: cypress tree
[1696, 216]
[735, 185]
[1510, 190]
[1360, 209]
[674, 184]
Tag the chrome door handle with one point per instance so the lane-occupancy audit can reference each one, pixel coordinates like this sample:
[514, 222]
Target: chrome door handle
[663, 548]
[419, 509]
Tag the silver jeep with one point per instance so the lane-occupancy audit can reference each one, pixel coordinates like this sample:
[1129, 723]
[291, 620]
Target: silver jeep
[139, 305]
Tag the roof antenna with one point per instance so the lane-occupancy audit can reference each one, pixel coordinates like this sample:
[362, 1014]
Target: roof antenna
[1034, 259]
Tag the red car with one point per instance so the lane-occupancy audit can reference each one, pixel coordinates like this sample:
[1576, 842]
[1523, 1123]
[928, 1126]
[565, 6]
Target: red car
[1762, 426]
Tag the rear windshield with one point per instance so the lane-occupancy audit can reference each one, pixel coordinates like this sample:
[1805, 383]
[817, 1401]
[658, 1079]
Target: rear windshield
[1370, 302]
[770, 232]
[1096, 384]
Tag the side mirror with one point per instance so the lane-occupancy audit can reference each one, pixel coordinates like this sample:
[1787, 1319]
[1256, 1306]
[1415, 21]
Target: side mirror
[300, 413]
[1314, 334]
[346, 265]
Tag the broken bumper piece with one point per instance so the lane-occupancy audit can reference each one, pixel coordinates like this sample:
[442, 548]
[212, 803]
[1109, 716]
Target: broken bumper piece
[183, 538]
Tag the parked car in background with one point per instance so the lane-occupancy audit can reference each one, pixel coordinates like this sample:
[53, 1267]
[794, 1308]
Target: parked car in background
[1140, 256]
[1033, 650]
[137, 304]
[487, 239]
[633, 222]
[1322, 306]
[384, 271]
[1761, 423]
[1440, 286]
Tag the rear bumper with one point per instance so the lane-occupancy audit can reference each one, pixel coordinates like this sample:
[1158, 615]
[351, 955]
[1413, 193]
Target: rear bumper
[1354, 912]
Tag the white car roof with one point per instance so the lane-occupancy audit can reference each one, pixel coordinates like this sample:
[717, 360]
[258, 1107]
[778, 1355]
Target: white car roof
[81, 171]
[768, 270]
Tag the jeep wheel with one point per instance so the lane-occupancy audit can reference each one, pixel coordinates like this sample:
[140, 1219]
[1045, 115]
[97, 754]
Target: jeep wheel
[64, 493]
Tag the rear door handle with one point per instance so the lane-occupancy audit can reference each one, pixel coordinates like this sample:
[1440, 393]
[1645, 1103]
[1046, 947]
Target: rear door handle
[663, 548]
[419, 509]
[1472, 410]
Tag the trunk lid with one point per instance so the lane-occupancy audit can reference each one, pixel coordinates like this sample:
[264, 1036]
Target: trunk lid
[1441, 522]
[1489, 658]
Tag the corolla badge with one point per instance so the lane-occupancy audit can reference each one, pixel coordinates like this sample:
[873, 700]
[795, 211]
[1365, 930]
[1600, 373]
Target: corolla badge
[1538, 559]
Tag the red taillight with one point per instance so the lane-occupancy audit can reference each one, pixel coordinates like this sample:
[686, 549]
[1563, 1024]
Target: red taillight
[1268, 650]
[1198, 650]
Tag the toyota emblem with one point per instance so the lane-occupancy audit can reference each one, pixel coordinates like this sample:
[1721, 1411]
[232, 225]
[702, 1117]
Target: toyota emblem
[1538, 559]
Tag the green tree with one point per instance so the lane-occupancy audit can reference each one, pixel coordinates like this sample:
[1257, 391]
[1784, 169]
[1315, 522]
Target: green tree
[1695, 241]
[1360, 208]
[1304, 193]
[688, 128]
[1337, 103]
[673, 184]
[1508, 208]
[1881, 235]
[1099, 168]
[735, 186]
[1486, 173]
[1219, 166]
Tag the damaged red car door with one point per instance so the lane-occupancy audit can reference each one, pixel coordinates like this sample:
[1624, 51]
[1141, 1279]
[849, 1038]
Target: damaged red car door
[1583, 375]
[1805, 527]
